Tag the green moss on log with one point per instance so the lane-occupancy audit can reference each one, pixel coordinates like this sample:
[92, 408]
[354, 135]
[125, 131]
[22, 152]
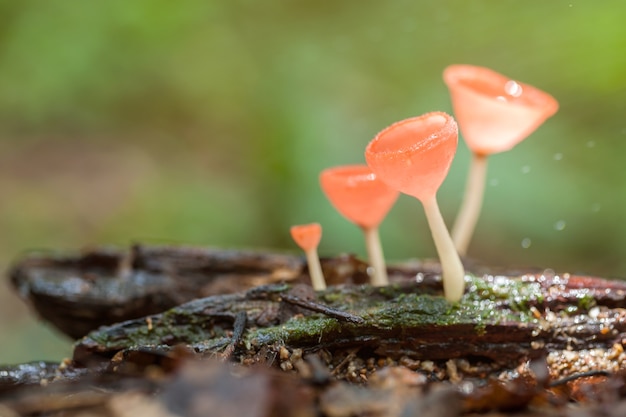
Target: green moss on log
[394, 311]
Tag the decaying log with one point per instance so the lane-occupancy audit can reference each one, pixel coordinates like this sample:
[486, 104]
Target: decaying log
[173, 316]
[78, 293]
[509, 320]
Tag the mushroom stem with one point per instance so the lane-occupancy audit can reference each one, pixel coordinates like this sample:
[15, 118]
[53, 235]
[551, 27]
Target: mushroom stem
[376, 257]
[453, 273]
[467, 218]
[315, 269]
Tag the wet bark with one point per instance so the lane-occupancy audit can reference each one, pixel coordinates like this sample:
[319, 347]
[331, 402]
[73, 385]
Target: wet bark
[167, 312]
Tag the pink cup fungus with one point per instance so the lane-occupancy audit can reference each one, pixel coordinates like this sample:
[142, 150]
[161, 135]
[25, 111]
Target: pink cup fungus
[363, 199]
[494, 114]
[413, 156]
[308, 237]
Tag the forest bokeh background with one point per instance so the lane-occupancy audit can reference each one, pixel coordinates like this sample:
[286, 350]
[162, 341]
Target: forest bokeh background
[206, 122]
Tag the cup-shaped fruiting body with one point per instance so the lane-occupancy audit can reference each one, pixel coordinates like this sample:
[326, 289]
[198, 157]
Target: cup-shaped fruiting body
[494, 114]
[413, 156]
[363, 199]
[308, 237]
[493, 111]
[356, 193]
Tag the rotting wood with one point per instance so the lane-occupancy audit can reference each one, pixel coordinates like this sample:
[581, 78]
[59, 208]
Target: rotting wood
[78, 293]
[377, 343]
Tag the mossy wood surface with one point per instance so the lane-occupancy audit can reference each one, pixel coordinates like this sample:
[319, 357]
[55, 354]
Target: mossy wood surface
[163, 308]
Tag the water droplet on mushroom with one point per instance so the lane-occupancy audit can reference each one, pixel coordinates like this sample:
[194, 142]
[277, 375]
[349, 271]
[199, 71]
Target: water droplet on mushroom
[513, 89]
[558, 156]
[525, 169]
[560, 225]
[526, 243]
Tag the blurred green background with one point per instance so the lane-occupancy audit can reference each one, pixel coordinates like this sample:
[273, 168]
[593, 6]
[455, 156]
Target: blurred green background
[206, 122]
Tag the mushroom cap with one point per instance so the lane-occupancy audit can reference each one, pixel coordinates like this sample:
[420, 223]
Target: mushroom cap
[414, 155]
[307, 236]
[357, 193]
[494, 112]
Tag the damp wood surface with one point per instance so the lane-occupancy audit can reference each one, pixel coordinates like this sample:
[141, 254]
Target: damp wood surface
[149, 319]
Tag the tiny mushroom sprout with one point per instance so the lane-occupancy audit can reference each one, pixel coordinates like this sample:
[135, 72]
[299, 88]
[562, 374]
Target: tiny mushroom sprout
[413, 156]
[308, 237]
[356, 193]
[494, 113]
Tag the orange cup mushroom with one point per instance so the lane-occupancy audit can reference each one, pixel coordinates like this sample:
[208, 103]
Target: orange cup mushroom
[414, 156]
[494, 114]
[308, 237]
[363, 199]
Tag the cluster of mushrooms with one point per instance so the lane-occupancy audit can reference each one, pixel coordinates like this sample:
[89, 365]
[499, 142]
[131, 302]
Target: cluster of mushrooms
[413, 156]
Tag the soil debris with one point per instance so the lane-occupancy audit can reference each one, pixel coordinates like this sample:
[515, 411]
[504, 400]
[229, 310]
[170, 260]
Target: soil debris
[527, 345]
